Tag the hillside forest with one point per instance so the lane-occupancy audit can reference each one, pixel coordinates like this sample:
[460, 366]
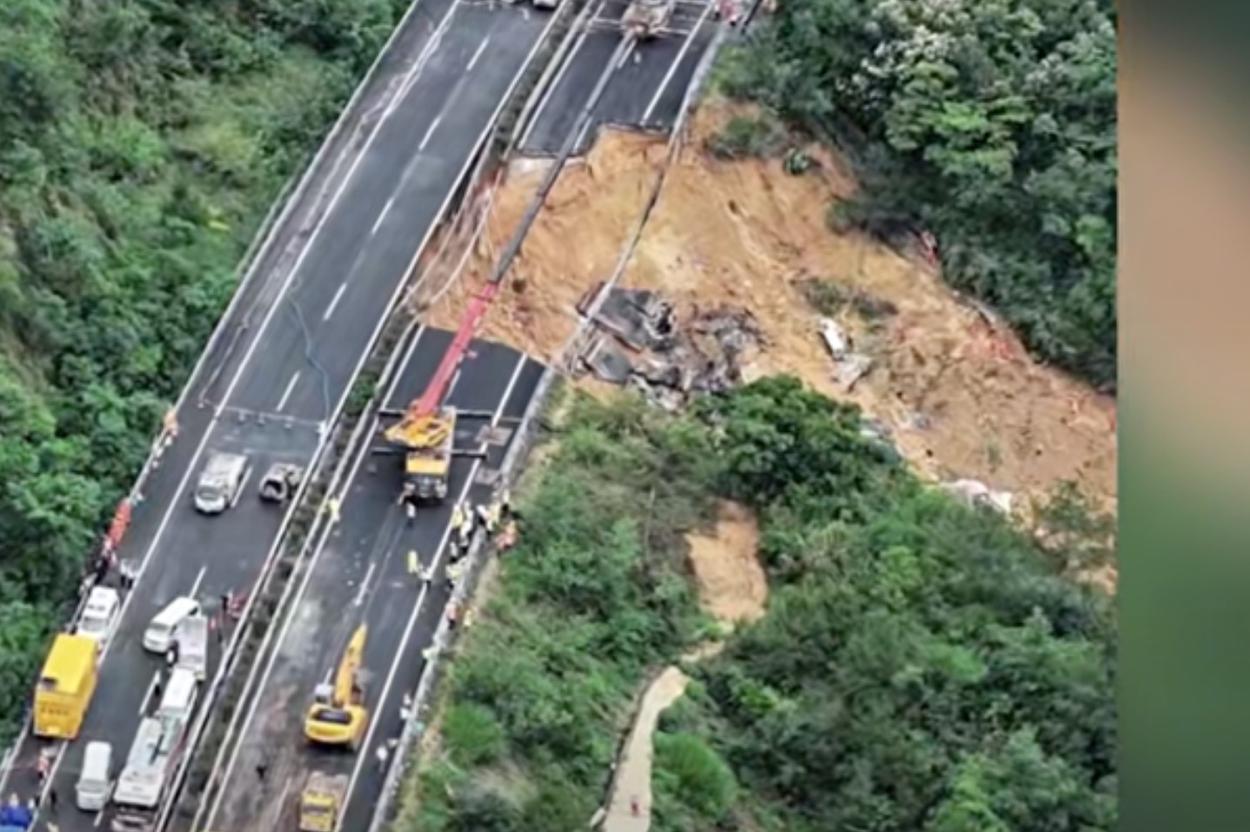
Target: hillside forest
[989, 123]
[921, 665]
[141, 143]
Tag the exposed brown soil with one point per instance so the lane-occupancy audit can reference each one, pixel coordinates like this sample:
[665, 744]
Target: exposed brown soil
[959, 395]
[731, 583]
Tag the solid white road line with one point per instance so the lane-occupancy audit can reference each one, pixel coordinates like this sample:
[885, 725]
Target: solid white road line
[410, 80]
[590, 122]
[195, 587]
[312, 565]
[482, 136]
[286, 625]
[364, 585]
[386, 209]
[480, 49]
[290, 385]
[551, 88]
[451, 388]
[668, 76]
[364, 756]
[282, 289]
[430, 131]
[334, 302]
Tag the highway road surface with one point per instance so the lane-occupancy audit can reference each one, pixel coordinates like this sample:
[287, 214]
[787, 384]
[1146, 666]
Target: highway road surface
[645, 92]
[279, 369]
[359, 574]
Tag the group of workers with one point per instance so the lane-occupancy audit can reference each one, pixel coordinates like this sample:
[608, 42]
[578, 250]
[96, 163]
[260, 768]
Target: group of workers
[465, 521]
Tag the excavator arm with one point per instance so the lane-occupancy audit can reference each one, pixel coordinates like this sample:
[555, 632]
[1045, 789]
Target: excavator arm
[345, 678]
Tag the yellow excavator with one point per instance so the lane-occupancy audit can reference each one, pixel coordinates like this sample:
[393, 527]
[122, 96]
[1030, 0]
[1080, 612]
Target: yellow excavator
[338, 714]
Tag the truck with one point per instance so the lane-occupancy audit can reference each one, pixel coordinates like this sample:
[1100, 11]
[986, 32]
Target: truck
[321, 802]
[644, 18]
[192, 638]
[220, 482]
[65, 687]
[154, 754]
[427, 441]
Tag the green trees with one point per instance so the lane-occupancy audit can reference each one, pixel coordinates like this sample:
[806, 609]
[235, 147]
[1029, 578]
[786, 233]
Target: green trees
[141, 141]
[921, 666]
[991, 124]
[593, 594]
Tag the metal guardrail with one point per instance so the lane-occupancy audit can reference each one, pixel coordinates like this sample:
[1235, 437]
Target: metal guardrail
[479, 552]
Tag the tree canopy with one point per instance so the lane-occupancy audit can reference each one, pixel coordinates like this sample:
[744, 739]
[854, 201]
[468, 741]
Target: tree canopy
[991, 123]
[921, 665]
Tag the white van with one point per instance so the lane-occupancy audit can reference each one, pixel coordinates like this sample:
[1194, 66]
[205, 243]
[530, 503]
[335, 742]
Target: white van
[220, 482]
[92, 789]
[160, 633]
[179, 697]
[99, 616]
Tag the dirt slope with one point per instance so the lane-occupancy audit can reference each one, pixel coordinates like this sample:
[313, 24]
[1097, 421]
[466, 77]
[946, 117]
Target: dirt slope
[960, 398]
[730, 580]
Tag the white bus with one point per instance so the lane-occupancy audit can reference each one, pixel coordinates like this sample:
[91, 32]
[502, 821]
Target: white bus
[154, 753]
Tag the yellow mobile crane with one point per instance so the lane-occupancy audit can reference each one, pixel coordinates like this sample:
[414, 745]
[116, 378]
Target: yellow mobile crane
[338, 714]
[428, 427]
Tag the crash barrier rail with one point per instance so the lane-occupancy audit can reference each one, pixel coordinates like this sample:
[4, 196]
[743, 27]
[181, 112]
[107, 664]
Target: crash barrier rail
[523, 440]
[228, 662]
[319, 527]
[258, 248]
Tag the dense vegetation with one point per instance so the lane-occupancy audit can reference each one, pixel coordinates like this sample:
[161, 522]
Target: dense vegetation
[921, 666]
[141, 142]
[593, 595]
[990, 123]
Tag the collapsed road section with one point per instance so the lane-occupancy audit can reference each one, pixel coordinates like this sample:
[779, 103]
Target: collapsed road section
[373, 603]
[270, 388]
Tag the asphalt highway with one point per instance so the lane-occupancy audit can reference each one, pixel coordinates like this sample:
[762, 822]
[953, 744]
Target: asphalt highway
[645, 92]
[359, 574]
[275, 377]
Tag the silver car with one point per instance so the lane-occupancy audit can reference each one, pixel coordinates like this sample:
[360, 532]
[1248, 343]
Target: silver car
[220, 482]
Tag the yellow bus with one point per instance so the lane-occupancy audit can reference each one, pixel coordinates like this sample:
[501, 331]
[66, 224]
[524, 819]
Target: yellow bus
[65, 686]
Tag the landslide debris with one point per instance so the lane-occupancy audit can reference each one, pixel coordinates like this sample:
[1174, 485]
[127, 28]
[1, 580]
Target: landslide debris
[951, 387]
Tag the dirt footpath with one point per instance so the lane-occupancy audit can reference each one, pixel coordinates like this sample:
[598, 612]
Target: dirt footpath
[959, 396]
[629, 806]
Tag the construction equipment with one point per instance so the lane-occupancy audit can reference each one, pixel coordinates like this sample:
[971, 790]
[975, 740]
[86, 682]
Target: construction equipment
[427, 464]
[428, 427]
[338, 714]
[321, 801]
[645, 18]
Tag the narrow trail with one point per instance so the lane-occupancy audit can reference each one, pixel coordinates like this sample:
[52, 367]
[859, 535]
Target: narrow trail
[629, 807]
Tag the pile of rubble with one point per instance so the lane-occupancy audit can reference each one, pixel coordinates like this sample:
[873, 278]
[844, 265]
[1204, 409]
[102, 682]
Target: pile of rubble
[642, 343]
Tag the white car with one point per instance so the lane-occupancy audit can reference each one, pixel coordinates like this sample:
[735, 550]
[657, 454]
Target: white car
[220, 482]
[99, 617]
